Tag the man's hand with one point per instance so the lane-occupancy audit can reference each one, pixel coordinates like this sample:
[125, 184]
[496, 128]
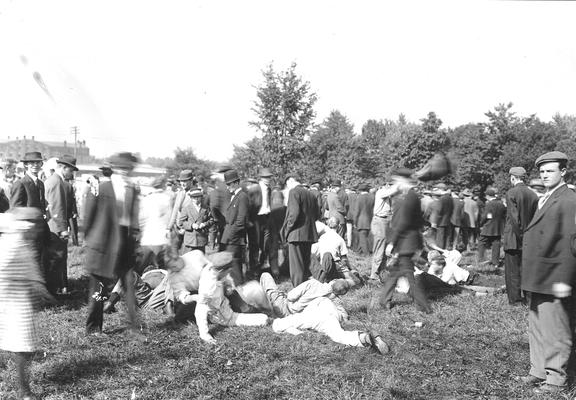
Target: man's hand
[561, 290]
[389, 249]
[64, 234]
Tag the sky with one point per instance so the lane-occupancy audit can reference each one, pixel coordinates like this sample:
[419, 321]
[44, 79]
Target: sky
[151, 76]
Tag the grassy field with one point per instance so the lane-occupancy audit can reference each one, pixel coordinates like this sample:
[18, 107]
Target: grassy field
[472, 347]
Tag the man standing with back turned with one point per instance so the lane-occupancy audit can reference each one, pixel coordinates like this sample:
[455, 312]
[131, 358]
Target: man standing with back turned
[548, 277]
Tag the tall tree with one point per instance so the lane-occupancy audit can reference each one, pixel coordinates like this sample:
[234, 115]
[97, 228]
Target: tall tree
[285, 114]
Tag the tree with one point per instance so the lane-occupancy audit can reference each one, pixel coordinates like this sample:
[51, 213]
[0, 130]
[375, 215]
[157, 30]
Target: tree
[186, 159]
[247, 159]
[285, 115]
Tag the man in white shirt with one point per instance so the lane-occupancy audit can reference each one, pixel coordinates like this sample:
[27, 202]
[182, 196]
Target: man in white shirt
[380, 225]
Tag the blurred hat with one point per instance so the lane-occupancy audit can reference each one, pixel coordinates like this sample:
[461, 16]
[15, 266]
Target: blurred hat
[441, 186]
[316, 181]
[550, 157]
[404, 172]
[490, 192]
[68, 160]
[336, 182]
[105, 165]
[223, 168]
[517, 171]
[364, 187]
[467, 192]
[196, 192]
[123, 160]
[186, 175]
[32, 156]
[265, 173]
[8, 163]
[536, 183]
[436, 168]
[158, 182]
[231, 176]
[221, 259]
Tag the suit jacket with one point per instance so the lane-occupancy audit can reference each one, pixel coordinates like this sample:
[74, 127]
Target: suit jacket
[521, 204]
[190, 216]
[406, 224]
[59, 206]
[102, 228]
[470, 214]
[446, 208]
[236, 220]
[219, 199]
[25, 193]
[352, 209]
[457, 212]
[336, 208]
[546, 255]
[301, 215]
[364, 211]
[493, 218]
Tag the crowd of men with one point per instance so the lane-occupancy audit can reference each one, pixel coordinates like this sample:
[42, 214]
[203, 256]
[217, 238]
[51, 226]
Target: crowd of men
[268, 227]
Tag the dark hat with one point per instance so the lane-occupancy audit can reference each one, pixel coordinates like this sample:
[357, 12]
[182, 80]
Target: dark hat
[517, 171]
[490, 192]
[336, 182]
[158, 182]
[316, 181]
[68, 160]
[186, 175]
[32, 156]
[363, 187]
[196, 192]
[437, 167]
[536, 183]
[231, 176]
[551, 156]
[123, 160]
[467, 192]
[105, 166]
[404, 172]
[223, 168]
[265, 173]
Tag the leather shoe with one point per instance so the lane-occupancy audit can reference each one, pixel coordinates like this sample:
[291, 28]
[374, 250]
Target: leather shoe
[530, 380]
[548, 388]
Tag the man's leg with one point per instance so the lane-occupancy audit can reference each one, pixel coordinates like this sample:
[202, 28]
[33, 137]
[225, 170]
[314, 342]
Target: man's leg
[495, 250]
[276, 296]
[416, 287]
[325, 270]
[363, 241]
[236, 269]
[296, 259]
[483, 243]
[378, 250]
[98, 294]
[512, 264]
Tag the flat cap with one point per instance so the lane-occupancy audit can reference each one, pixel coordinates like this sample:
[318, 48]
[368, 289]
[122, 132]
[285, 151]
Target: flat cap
[534, 183]
[517, 171]
[490, 192]
[551, 156]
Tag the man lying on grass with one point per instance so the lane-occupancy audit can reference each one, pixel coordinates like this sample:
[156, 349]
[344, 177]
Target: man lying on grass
[316, 306]
[211, 302]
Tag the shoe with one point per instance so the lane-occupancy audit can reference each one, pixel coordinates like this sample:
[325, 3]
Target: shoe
[109, 307]
[548, 388]
[471, 278]
[529, 380]
[379, 344]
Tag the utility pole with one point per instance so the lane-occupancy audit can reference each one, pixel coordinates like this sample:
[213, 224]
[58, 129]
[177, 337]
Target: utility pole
[74, 131]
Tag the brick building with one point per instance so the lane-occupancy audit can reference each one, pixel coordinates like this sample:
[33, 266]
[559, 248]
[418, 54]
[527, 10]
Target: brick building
[15, 148]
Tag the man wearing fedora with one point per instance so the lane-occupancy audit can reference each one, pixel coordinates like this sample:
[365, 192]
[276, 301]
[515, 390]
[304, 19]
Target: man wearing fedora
[29, 191]
[491, 227]
[59, 196]
[111, 226]
[469, 219]
[363, 217]
[218, 200]
[444, 225]
[187, 181]
[234, 236]
[521, 204]
[549, 277]
[196, 220]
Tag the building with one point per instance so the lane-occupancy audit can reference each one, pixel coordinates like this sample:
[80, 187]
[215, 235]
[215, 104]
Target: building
[16, 148]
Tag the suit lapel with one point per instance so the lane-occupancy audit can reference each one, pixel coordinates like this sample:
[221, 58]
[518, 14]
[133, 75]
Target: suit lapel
[553, 199]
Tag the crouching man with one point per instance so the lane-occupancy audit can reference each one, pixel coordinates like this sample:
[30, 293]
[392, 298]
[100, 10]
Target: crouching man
[316, 306]
[212, 280]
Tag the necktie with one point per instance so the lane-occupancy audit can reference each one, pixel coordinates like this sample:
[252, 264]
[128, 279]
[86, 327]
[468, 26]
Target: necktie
[543, 200]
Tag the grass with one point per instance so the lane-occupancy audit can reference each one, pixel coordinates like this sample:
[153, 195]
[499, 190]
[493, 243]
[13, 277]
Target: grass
[470, 348]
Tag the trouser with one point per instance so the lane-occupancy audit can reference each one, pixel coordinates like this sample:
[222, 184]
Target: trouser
[486, 242]
[260, 250]
[190, 248]
[277, 297]
[235, 270]
[341, 230]
[349, 235]
[550, 323]
[326, 269]
[454, 237]
[363, 247]
[404, 267]
[379, 228]
[299, 260]
[512, 270]
[322, 316]
[149, 257]
[56, 263]
[442, 236]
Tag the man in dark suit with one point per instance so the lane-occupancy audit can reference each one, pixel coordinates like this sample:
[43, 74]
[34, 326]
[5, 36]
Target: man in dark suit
[29, 191]
[299, 229]
[337, 205]
[234, 236]
[111, 230]
[59, 198]
[218, 201]
[260, 198]
[444, 217]
[491, 227]
[363, 217]
[521, 204]
[405, 239]
[549, 277]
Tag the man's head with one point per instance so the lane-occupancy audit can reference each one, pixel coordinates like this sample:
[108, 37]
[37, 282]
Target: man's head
[9, 168]
[66, 165]
[552, 167]
[123, 163]
[232, 180]
[402, 177]
[33, 162]
[332, 222]
[490, 193]
[265, 175]
[517, 174]
[196, 195]
[340, 286]
[186, 179]
[291, 182]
